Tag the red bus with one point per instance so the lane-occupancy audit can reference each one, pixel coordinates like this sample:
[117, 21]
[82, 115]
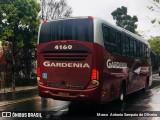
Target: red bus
[88, 59]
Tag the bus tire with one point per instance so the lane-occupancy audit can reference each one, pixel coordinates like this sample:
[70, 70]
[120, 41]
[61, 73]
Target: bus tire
[146, 85]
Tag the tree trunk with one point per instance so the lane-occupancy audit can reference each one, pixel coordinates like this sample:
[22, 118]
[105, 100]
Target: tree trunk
[13, 65]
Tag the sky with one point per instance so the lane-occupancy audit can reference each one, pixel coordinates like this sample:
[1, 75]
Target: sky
[104, 8]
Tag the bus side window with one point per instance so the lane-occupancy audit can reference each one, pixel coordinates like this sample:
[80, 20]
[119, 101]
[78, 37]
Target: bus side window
[106, 36]
[131, 48]
[109, 39]
[113, 36]
[113, 41]
[135, 52]
[123, 44]
[128, 46]
[138, 49]
[146, 51]
[148, 54]
[143, 52]
[119, 44]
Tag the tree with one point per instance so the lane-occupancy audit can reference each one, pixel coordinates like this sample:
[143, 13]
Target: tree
[51, 9]
[123, 20]
[155, 8]
[19, 25]
[29, 31]
[155, 46]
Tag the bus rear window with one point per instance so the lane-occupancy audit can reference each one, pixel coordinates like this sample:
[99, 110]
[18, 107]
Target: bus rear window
[69, 29]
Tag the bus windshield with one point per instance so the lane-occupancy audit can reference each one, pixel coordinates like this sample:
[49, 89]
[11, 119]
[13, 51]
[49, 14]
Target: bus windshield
[68, 29]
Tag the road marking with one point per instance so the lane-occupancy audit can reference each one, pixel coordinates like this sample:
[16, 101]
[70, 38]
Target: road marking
[19, 101]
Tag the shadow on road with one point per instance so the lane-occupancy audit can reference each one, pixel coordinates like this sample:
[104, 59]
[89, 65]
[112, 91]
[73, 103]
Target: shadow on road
[91, 109]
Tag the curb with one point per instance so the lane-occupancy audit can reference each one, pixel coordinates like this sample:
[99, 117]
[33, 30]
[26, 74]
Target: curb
[16, 91]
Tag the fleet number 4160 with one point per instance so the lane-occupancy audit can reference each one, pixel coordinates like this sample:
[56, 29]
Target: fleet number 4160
[63, 47]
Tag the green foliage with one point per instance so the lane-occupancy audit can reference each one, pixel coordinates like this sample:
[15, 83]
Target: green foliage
[19, 20]
[156, 0]
[123, 20]
[19, 24]
[155, 44]
[8, 13]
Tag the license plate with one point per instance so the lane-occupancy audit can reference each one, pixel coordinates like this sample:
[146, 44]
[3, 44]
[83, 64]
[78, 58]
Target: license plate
[63, 93]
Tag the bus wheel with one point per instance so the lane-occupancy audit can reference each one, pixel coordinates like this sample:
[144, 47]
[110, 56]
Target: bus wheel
[122, 98]
[146, 86]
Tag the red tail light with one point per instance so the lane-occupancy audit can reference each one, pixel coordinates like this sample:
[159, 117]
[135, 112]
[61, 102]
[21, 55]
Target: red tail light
[94, 79]
[44, 22]
[38, 72]
[94, 75]
[91, 17]
[39, 80]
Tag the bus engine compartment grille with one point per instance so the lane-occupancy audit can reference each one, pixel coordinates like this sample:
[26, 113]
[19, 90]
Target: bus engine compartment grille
[66, 57]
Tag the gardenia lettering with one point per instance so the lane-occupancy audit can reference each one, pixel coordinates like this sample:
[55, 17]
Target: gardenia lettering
[74, 65]
[111, 64]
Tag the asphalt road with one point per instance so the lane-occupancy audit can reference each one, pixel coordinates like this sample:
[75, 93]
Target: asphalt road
[29, 101]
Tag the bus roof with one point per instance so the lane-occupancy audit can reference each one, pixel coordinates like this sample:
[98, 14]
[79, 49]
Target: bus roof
[100, 20]
[67, 18]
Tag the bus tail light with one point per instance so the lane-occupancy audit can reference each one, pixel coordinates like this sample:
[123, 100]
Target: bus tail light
[39, 80]
[94, 75]
[38, 72]
[94, 78]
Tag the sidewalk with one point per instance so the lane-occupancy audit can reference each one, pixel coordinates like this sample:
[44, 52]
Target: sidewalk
[17, 89]
[6, 96]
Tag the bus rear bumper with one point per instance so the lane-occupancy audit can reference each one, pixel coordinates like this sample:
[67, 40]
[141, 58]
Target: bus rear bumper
[92, 94]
